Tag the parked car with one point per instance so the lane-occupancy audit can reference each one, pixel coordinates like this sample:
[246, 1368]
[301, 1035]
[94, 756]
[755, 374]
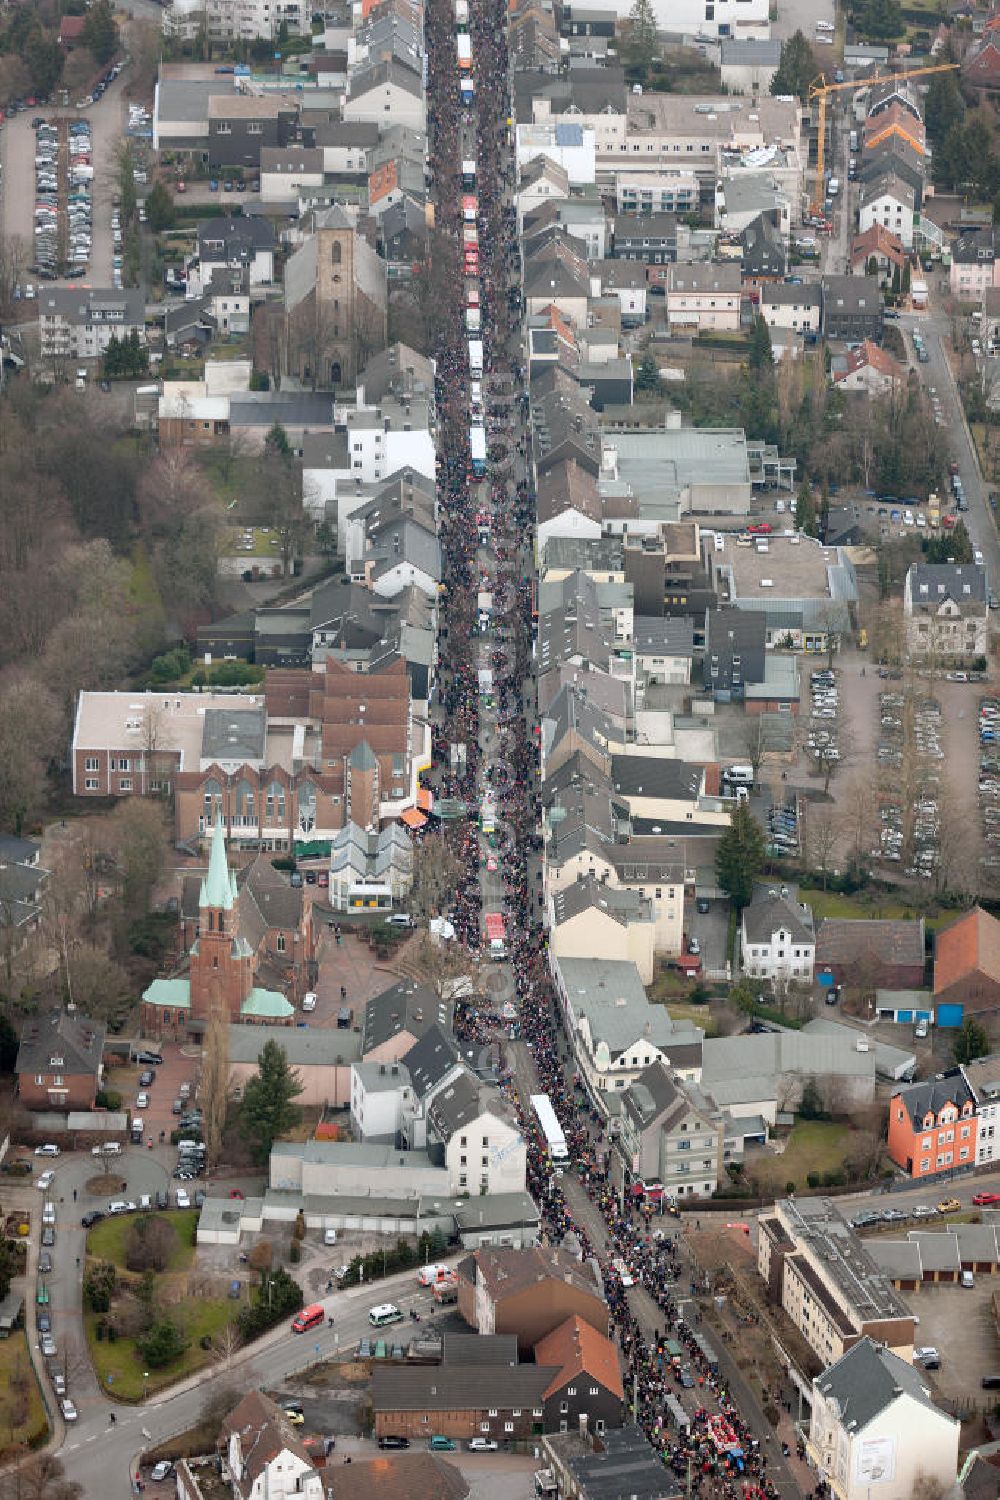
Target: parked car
[161, 1471]
[983, 1200]
[483, 1445]
[390, 1440]
[68, 1410]
[949, 1206]
[49, 1149]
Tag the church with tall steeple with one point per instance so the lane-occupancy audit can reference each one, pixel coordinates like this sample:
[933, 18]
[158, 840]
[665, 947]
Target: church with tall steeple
[239, 924]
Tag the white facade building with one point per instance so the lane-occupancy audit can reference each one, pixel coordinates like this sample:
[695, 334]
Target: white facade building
[876, 1431]
[778, 940]
[247, 20]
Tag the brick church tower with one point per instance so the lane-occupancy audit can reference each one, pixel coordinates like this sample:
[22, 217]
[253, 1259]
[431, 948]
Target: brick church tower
[222, 961]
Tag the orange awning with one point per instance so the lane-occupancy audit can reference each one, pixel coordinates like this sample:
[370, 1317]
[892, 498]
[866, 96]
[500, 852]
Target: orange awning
[412, 818]
[425, 799]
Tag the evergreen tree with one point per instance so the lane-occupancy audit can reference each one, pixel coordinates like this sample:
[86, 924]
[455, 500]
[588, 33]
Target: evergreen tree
[112, 361]
[44, 58]
[100, 33]
[943, 107]
[647, 376]
[159, 208]
[905, 281]
[805, 509]
[971, 1042]
[268, 1108]
[740, 856]
[797, 69]
[879, 20]
[642, 29]
[277, 441]
[761, 356]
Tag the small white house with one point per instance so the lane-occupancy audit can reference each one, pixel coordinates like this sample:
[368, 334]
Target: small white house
[888, 201]
[778, 940]
[266, 1460]
[484, 1150]
[875, 1429]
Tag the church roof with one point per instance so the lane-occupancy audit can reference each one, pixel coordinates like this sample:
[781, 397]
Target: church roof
[175, 993]
[267, 1004]
[218, 889]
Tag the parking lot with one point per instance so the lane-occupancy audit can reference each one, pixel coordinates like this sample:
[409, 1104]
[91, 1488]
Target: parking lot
[709, 929]
[17, 148]
[959, 1323]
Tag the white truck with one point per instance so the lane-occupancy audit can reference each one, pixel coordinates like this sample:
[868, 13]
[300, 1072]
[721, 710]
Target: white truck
[476, 356]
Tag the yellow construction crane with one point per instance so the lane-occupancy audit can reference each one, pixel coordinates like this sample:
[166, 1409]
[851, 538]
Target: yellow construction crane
[819, 90]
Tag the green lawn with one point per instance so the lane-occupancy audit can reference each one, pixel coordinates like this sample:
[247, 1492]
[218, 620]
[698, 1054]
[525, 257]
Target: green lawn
[22, 1411]
[878, 907]
[813, 1146]
[119, 1366]
[106, 1241]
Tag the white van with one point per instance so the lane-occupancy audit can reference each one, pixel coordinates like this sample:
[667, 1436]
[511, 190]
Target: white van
[386, 1312]
[309, 1001]
[738, 775]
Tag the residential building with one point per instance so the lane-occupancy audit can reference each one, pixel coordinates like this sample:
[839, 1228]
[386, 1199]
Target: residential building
[568, 503]
[382, 91]
[748, 64]
[889, 201]
[570, 144]
[619, 1463]
[647, 237]
[946, 610]
[777, 939]
[393, 1476]
[474, 1131]
[734, 657]
[240, 127]
[80, 322]
[852, 308]
[237, 20]
[704, 299]
[644, 194]
[266, 1461]
[932, 1126]
[585, 1393]
[669, 1142]
[353, 1169]
[868, 370]
[664, 647]
[967, 966]
[877, 253]
[817, 1269]
[883, 953]
[22, 886]
[897, 157]
[489, 1399]
[380, 1097]
[59, 1061]
[895, 120]
[764, 257]
[974, 263]
[797, 309]
[617, 922]
[529, 1293]
[615, 1032]
[983, 1077]
[242, 248]
[395, 1020]
[874, 1425]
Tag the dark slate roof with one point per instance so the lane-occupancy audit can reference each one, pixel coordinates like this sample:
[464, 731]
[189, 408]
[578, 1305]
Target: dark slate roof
[666, 635]
[234, 734]
[430, 1059]
[76, 1041]
[463, 1101]
[920, 1099]
[406, 1007]
[867, 1380]
[652, 776]
[434, 1388]
[763, 917]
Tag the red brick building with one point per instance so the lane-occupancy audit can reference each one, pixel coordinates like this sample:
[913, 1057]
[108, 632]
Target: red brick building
[528, 1293]
[59, 1062]
[967, 963]
[932, 1126]
[250, 947]
[881, 955]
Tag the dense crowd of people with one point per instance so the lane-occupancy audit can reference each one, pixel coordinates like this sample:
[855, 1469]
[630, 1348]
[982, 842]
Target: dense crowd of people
[485, 740]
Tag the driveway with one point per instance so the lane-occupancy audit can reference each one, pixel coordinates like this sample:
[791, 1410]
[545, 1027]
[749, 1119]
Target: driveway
[710, 928]
[802, 15]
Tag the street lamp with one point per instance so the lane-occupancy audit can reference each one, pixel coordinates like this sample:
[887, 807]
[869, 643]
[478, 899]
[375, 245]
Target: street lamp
[145, 1377]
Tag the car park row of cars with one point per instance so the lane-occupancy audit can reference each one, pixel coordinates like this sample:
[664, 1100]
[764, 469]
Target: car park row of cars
[989, 779]
[64, 174]
[824, 711]
[783, 830]
[870, 1218]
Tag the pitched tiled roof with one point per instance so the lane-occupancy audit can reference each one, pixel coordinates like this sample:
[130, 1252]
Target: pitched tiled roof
[870, 356]
[578, 1349]
[970, 945]
[507, 1272]
[76, 1041]
[843, 940]
[264, 1432]
[920, 1099]
[877, 241]
[400, 1476]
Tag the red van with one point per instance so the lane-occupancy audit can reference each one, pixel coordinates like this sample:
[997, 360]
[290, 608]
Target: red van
[309, 1317]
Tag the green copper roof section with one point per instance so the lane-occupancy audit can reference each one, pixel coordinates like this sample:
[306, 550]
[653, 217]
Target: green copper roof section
[266, 1003]
[218, 889]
